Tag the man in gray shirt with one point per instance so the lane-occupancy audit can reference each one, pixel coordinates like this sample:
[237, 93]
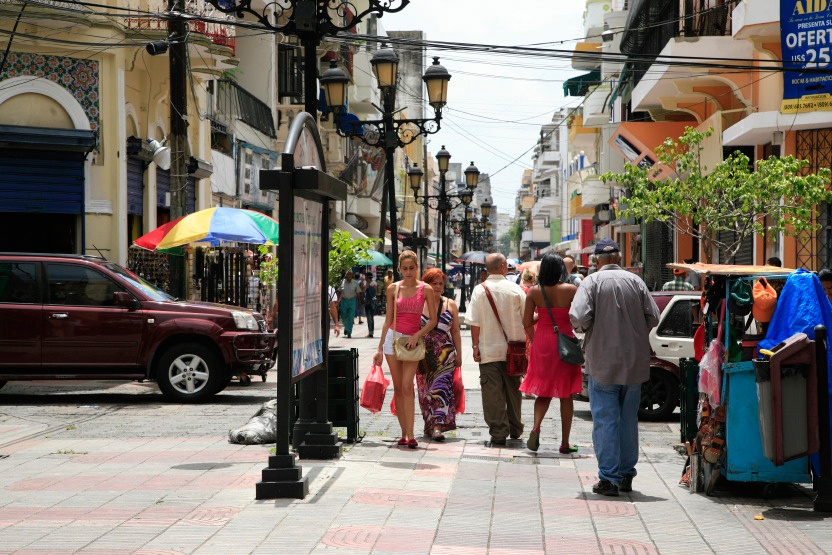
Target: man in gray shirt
[613, 307]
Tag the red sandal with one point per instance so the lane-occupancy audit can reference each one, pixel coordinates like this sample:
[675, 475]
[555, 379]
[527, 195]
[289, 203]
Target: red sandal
[402, 442]
[412, 443]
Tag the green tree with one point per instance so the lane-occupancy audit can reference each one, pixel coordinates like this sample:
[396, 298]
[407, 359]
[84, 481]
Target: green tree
[344, 254]
[516, 232]
[505, 244]
[730, 197]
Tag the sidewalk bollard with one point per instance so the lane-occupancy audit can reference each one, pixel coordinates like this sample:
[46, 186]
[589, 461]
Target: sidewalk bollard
[823, 500]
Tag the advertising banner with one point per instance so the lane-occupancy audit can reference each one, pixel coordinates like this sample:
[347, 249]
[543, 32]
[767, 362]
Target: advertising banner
[307, 345]
[806, 41]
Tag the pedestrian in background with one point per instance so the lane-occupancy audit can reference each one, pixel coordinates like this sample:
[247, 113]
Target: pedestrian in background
[613, 307]
[501, 400]
[548, 376]
[370, 292]
[693, 278]
[678, 283]
[406, 302]
[572, 275]
[359, 310]
[350, 298]
[435, 381]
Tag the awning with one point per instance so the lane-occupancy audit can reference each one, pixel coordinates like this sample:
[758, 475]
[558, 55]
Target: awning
[578, 86]
[48, 138]
[564, 246]
[344, 226]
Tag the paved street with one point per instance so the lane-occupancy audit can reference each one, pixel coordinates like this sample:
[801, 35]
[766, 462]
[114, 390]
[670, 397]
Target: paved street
[105, 467]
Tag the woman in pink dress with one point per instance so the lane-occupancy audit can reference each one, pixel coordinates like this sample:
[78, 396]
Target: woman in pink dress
[548, 376]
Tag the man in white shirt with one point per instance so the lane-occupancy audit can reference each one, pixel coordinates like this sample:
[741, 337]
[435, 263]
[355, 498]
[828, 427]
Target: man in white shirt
[572, 275]
[501, 399]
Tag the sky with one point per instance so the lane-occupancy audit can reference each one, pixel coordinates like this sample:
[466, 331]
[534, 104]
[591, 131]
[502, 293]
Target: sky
[522, 90]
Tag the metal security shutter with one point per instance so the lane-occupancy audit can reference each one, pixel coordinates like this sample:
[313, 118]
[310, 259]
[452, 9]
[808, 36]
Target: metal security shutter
[162, 188]
[42, 181]
[190, 196]
[135, 186]
[657, 245]
[746, 253]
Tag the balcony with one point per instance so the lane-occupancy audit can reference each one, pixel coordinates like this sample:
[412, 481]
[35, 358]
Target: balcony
[228, 100]
[686, 88]
[527, 236]
[594, 192]
[756, 19]
[587, 55]
[217, 33]
[597, 106]
[546, 206]
[594, 16]
[549, 158]
[652, 25]
[580, 136]
[577, 210]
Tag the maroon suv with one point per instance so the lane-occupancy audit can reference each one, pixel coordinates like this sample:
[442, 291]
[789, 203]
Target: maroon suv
[82, 317]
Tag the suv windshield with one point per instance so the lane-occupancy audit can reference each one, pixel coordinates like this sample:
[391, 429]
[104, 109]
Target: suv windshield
[151, 291]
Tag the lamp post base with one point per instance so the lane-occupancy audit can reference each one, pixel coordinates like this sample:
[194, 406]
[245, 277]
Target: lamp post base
[320, 443]
[823, 499]
[282, 479]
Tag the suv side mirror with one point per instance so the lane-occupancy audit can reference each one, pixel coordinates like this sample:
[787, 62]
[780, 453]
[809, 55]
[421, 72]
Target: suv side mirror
[122, 298]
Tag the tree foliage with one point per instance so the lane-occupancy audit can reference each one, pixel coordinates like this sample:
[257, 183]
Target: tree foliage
[730, 197]
[344, 254]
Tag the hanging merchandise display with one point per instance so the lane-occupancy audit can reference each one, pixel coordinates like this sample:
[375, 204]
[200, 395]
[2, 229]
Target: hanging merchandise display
[151, 266]
[734, 439]
[229, 275]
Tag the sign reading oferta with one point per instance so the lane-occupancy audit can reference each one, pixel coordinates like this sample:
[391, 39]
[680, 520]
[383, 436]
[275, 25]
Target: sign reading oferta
[806, 42]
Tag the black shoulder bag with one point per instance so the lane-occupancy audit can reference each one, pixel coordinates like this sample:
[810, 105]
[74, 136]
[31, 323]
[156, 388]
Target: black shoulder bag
[569, 348]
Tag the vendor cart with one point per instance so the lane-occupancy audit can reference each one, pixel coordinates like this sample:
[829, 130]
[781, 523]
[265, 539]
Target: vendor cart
[729, 443]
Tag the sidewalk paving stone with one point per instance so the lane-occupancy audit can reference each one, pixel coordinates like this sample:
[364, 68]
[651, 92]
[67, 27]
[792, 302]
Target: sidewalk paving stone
[78, 492]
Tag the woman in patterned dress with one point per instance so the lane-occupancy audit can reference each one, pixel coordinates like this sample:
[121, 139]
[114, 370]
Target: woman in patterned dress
[435, 381]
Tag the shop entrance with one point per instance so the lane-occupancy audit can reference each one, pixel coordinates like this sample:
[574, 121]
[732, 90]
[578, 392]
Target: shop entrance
[41, 200]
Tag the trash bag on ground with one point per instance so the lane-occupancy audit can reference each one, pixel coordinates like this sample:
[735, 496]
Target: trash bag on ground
[261, 428]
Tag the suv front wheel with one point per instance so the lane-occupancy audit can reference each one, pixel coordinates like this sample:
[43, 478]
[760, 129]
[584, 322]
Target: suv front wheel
[188, 372]
[659, 396]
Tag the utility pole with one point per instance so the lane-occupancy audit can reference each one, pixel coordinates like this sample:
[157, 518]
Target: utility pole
[178, 137]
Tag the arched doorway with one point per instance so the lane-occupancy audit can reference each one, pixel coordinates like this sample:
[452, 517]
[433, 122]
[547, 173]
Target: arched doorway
[45, 137]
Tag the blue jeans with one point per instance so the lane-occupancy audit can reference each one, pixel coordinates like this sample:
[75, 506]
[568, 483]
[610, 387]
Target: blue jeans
[615, 428]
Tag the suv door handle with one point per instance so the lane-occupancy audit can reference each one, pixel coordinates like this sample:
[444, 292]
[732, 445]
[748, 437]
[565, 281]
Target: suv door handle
[59, 315]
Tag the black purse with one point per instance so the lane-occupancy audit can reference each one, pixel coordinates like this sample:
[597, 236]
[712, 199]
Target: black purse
[569, 348]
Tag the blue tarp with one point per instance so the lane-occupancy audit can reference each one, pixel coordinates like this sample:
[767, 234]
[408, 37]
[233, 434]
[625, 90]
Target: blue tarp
[802, 305]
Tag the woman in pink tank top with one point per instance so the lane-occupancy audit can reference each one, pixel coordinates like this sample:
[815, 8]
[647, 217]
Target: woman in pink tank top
[409, 297]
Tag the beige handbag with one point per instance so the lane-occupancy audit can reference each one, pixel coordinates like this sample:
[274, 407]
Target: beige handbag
[400, 349]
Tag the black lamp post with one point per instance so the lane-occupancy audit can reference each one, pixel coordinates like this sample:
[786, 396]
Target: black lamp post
[443, 202]
[387, 133]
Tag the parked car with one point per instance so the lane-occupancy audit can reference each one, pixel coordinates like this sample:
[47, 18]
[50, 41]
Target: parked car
[670, 341]
[83, 317]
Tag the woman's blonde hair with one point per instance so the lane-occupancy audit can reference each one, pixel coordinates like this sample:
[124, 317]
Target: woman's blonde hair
[529, 275]
[408, 254]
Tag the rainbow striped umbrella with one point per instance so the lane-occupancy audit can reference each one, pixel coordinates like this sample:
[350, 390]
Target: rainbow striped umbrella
[213, 226]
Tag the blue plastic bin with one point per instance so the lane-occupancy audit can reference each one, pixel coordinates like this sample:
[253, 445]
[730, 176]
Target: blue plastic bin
[745, 459]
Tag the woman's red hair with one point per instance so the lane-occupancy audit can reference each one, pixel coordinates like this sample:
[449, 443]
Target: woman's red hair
[431, 274]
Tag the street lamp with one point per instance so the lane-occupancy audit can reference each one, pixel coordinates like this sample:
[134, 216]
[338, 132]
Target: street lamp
[472, 176]
[443, 202]
[388, 133]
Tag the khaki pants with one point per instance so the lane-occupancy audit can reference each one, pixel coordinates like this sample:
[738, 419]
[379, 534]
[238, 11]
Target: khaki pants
[501, 400]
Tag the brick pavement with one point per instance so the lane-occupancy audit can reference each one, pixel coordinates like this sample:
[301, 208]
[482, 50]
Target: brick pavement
[98, 488]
